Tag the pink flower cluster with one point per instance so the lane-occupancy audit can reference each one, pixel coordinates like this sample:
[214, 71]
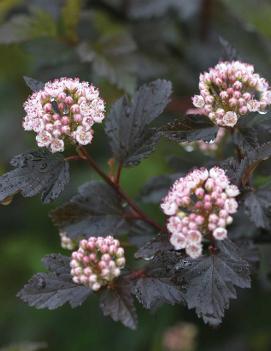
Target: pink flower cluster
[199, 205]
[230, 90]
[97, 262]
[65, 109]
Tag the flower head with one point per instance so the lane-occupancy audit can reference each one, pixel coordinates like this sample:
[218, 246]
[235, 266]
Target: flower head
[65, 109]
[66, 242]
[230, 90]
[199, 205]
[97, 262]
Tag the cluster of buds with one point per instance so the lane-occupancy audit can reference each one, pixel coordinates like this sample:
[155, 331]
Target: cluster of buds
[66, 242]
[230, 90]
[200, 205]
[65, 109]
[212, 146]
[97, 262]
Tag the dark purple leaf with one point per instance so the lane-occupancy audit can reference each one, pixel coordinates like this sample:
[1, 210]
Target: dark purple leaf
[229, 52]
[127, 124]
[55, 288]
[95, 211]
[35, 172]
[258, 207]
[150, 249]
[189, 128]
[157, 187]
[156, 8]
[118, 303]
[152, 291]
[33, 84]
[211, 281]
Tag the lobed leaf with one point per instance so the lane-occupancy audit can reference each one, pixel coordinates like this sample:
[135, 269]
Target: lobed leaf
[152, 247]
[33, 84]
[157, 284]
[240, 172]
[258, 207]
[233, 168]
[253, 132]
[211, 281]
[36, 172]
[95, 211]
[113, 57]
[189, 128]
[55, 288]
[57, 263]
[229, 52]
[184, 161]
[152, 291]
[127, 124]
[140, 232]
[242, 227]
[118, 303]
[157, 187]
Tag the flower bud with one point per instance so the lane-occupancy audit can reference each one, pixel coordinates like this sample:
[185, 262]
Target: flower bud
[93, 265]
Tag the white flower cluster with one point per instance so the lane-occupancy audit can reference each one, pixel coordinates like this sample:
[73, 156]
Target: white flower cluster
[200, 205]
[66, 242]
[230, 90]
[65, 109]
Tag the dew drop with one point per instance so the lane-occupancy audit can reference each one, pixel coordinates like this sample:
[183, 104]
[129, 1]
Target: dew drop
[41, 283]
[148, 258]
[183, 264]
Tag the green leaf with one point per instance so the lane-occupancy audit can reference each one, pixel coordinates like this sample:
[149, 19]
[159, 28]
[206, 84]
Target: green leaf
[70, 18]
[21, 28]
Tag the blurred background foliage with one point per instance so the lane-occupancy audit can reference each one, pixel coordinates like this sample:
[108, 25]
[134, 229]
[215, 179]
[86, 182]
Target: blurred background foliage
[117, 45]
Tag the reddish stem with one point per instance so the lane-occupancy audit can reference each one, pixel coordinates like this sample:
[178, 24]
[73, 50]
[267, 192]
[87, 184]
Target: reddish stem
[73, 158]
[136, 274]
[85, 155]
[117, 179]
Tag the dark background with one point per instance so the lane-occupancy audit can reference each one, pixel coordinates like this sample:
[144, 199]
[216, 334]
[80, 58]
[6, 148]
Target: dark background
[117, 45]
